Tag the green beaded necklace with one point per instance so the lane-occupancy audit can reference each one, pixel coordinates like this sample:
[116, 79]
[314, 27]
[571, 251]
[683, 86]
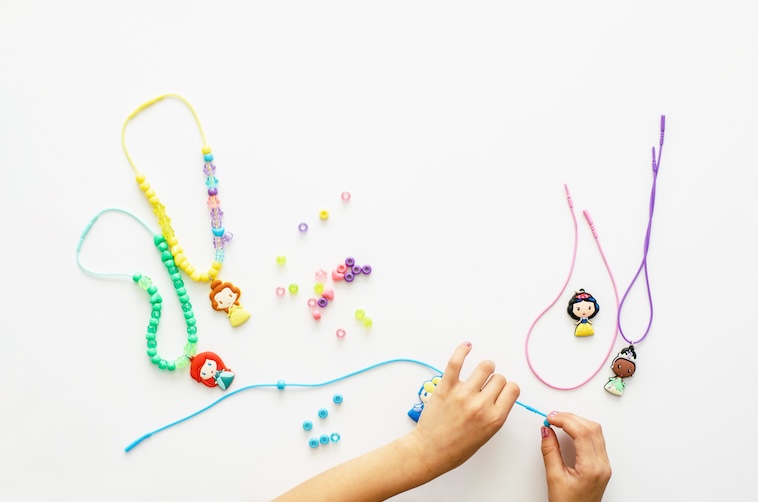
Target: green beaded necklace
[206, 367]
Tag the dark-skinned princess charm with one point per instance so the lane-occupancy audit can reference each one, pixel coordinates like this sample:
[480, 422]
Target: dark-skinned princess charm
[624, 365]
[582, 307]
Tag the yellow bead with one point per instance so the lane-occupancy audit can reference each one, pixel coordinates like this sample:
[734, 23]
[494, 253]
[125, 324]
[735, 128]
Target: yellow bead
[183, 265]
[212, 273]
[144, 186]
[149, 193]
[323, 214]
[172, 241]
[140, 178]
[216, 265]
[175, 250]
[190, 270]
[318, 288]
[194, 274]
[179, 259]
[206, 150]
[360, 314]
[154, 200]
[204, 277]
[367, 322]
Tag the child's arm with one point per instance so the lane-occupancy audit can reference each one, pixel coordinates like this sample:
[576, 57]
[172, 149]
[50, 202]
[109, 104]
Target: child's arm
[458, 419]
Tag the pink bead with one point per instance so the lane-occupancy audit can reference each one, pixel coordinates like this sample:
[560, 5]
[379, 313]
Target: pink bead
[328, 294]
[341, 268]
[213, 201]
[337, 276]
[321, 275]
[311, 302]
[316, 314]
[345, 196]
[340, 333]
[280, 291]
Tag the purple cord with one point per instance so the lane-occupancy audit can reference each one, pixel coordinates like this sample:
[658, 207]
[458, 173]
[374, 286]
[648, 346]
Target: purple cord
[646, 246]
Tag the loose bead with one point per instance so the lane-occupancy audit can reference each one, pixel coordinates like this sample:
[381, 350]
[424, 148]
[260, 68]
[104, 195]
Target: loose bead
[318, 288]
[324, 439]
[345, 196]
[313, 443]
[280, 291]
[337, 398]
[281, 260]
[307, 425]
[341, 268]
[356, 269]
[323, 413]
[316, 313]
[337, 276]
[303, 227]
[328, 294]
[366, 269]
[349, 261]
[360, 314]
[349, 277]
[335, 437]
[322, 302]
[294, 288]
[311, 302]
[340, 333]
[368, 322]
[324, 214]
[321, 275]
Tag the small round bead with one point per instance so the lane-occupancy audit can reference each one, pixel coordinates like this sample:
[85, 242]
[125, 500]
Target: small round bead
[155, 359]
[152, 344]
[216, 265]
[349, 277]
[140, 178]
[323, 439]
[303, 227]
[311, 302]
[206, 150]
[335, 437]
[204, 277]
[190, 269]
[152, 290]
[319, 288]
[345, 196]
[280, 384]
[212, 191]
[337, 398]
[171, 366]
[307, 425]
[349, 261]
[280, 291]
[208, 157]
[313, 443]
[192, 338]
[341, 268]
[163, 364]
[360, 314]
[322, 302]
[144, 186]
[281, 260]
[356, 269]
[324, 214]
[187, 306]
[366, 269]
[172, 241]
[195, 276]
[151, 351]
[340, 333]
[154, 201]
[316, 313]
[337, 276]
[368, 322]
[294, 288]
[191, 330]
[136, 277]
[323, 413]
[150, 193]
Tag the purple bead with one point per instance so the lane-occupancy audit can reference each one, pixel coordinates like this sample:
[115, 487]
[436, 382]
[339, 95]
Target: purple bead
[356, 269]
[229, 236]
[303, 227]
[322, 302]
[349, 261]
[366, 269]
[349, 277]
[213, 191]
[209, 169]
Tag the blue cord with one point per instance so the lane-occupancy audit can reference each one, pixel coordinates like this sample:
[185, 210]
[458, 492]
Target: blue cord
[281, 385]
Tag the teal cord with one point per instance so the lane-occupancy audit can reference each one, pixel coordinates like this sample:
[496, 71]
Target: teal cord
[281, 385]
[89, 227]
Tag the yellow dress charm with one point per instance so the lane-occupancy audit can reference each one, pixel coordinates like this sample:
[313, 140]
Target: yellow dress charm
[225, 298]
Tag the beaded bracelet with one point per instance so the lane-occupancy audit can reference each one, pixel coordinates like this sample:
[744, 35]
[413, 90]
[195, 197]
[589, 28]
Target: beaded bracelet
[224, 296]
[206, 367]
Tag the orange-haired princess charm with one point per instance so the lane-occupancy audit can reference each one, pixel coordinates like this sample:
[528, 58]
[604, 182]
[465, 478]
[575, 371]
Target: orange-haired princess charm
[225, 298]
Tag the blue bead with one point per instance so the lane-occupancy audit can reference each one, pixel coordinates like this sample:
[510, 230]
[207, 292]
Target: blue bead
[335, 437]
[337, 398]
[323, 413]
[313, 443]
[218, 232]
[307, 425]
[324, 439]
[280, 384]
[208, 157]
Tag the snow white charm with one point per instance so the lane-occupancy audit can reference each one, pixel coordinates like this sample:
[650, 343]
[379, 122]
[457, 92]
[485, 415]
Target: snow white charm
[624, 365]
[582, 307]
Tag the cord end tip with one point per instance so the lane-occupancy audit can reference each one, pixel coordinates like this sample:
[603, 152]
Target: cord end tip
[135, 443]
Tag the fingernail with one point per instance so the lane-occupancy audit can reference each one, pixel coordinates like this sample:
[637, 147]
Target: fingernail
[552, 414]
[468, 344]
[544, 432]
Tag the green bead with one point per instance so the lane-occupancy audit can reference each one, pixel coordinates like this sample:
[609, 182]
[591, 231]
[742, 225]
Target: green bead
[157, 306]
[150, 336]
[176, 277]
[178, 283]
[163, 364]
[181, 291]
[293, 288]
[162, 246]
[191, 322]
[152, 290]
[189, 349]
[151, 352]
[187, 307]
[158, 238]
[173, 270]
[181, 362]
[156, 298]
[166, 255]
[191, 330]
[155, 314]
[154, 324]
[192, 338]
[145, 282]
[151, 344]
[155, 359]
[136, 277]
[171, 366]
[169, 263]
[281, 260]
[184, 298]
[189, 314]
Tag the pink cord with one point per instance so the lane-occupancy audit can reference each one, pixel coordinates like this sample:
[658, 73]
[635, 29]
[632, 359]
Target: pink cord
[560, 294]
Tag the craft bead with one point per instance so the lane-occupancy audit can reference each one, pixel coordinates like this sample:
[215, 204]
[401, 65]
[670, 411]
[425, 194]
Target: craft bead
[169, 263]
[280, 291]
[208, 157]
[153, 200]
[192, 338]
[156, 298]
[316, 313]
[368, 322]
[181, 362]
[152, 290]
[179, 259]
[187, 307]
[140, 178]
[349, 277]
[190, 269]
[175, 250]
[154, 323]
[324, 439]
[195, 275]
[205, 277]
[206, 150]
[151, 330]
[293, 288]
[341, 268]
[280, 384]
[162, 246]
[340, 333]
[189, 315]
[349, 261]
[163, 364]
[218, 232]
[157, 306]
[155, 359]
[171, 366]
[149, 335]
[360, 314]
[191, 330]
[335, 437]
[311, 302]
[281, 260]
[212, 273]
[323, 413]
[318, 288]
[155, 314]
[144, 186]
[328, 294]
[320, 275]
[313, 443]
[173, 270]
[136, 277]
[172, 241]
[337, 398]
[356, 269]
[151, 351]
[366, 269]
[307, 425]
[217, 264]
[178, 284]
[345, 196]
[303, 227]
[184, 298]
[191, 322]
[324, 214]
[337, 276]
[150, 193]
[322, 302]
[177, 278]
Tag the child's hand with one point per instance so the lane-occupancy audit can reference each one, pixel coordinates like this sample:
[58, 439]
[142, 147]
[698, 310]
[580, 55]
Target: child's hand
[462, 415]
[586, 481]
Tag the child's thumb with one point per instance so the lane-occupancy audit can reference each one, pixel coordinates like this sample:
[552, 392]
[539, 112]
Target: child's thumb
[551, 452]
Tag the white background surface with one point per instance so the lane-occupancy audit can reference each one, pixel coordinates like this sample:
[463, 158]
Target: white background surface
[454, 126]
